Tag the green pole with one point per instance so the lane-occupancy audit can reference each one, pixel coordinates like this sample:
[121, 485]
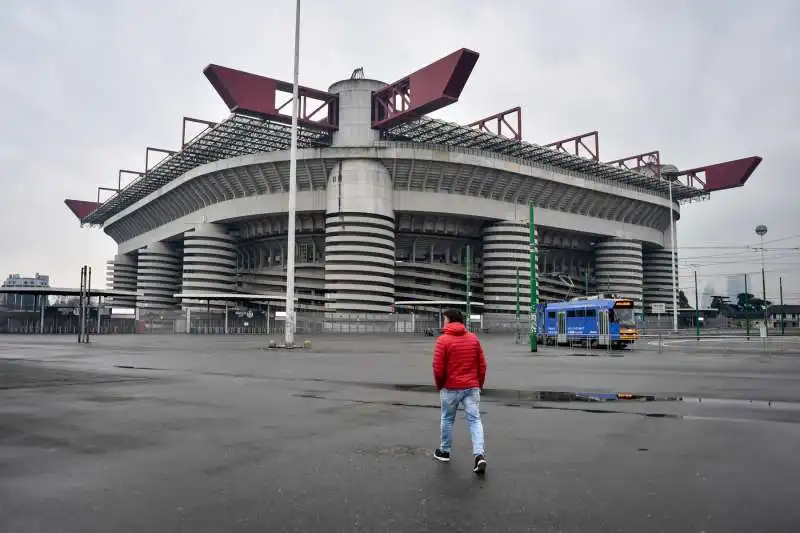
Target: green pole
[783, 311]
[696, 309]
[764, 292]
[516, 324]
[469, 286]
[586, 280]
[746, 305]
[534, 285]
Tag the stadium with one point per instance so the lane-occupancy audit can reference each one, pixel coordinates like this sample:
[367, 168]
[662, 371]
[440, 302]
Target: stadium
[390, 202]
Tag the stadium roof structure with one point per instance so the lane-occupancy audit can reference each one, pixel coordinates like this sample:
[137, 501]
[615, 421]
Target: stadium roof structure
[66, 291]
[257, 124]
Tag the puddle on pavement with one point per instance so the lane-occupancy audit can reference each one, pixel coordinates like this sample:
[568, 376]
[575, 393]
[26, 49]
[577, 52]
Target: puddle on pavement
[594, 411]
[722, 402]
[537, 395]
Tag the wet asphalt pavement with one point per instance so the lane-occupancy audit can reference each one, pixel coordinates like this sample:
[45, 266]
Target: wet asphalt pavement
[184, 433]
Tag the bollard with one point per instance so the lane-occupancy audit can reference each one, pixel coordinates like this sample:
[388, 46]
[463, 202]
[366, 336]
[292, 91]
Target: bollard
[307, 344]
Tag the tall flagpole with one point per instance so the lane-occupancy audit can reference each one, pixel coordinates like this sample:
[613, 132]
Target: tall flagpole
[290, 313]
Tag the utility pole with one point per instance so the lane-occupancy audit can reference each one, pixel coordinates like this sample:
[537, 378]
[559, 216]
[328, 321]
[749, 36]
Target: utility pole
[534, 299]
[761, 230]
[783, 311]
[696, 309]
[746, 305]
[83, 304]
[469, 286]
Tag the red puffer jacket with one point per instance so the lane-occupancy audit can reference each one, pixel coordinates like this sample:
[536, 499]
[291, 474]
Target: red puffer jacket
[458, 360]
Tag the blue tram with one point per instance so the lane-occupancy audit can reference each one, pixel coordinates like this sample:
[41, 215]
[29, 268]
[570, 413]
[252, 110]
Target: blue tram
[600, 321]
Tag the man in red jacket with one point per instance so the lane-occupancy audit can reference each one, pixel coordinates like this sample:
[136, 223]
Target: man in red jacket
[459, 369]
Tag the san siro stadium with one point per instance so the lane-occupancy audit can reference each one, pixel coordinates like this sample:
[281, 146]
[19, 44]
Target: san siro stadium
[390, 202]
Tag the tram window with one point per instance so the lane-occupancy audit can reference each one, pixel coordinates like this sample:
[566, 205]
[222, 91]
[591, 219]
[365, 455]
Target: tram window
[580, 313]
[551, 314]
[570, 314]
[612, 316]
[591, 313]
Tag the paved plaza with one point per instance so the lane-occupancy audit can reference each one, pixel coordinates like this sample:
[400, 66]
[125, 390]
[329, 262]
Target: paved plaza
[211, 434]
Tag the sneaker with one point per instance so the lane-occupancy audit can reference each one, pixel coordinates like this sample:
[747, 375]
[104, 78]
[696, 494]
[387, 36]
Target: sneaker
[480, 464]
[439, 455]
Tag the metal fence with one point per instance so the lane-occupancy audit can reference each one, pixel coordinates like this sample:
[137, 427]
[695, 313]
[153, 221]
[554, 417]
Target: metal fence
[308, 323]
[683, 342]
[653, 337]
[30, 323]
[312, 322]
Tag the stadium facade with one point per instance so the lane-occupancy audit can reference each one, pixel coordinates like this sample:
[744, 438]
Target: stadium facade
[389, 202]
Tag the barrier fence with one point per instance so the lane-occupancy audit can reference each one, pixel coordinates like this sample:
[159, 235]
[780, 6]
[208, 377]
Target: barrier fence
[500, 327]
[30, 323]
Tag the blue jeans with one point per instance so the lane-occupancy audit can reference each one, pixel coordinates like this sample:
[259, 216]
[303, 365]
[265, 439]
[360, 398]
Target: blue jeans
[471, 400]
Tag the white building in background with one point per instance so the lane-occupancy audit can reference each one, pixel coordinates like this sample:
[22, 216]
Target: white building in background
[707, 296]
[736, 285]
[24, 302]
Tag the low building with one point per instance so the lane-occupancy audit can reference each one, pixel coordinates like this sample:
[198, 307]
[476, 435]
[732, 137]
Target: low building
[790, 314]
[22, 302]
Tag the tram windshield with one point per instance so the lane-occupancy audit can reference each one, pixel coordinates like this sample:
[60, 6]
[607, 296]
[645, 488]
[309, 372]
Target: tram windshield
[623, 314]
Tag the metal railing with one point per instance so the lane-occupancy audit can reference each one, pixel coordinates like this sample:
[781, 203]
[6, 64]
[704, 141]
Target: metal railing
[668, 343]
[68, 325]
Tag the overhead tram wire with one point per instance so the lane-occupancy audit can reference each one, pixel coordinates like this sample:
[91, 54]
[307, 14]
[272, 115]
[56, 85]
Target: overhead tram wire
[783, 259]
[735, 273]
[743, 255]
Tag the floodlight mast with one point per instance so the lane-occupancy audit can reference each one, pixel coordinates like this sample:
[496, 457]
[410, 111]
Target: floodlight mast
[290, 248]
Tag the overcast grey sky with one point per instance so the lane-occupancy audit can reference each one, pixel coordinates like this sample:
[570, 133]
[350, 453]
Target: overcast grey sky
[86, 85]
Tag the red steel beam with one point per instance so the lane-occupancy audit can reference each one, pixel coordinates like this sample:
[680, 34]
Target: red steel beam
[720, 176]
[586, 145]
[647, 160]
[511, 119]
[252, 94]
[426, 90]
[81, 208]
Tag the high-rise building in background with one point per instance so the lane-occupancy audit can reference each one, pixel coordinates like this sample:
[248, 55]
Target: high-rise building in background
[23, 302]
[736, 285]
[708, 294]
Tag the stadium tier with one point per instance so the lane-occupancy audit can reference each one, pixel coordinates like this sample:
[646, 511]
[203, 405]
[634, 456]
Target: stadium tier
[390, 202]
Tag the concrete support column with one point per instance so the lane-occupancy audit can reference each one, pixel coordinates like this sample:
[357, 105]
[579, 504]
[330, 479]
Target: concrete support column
[158, 276]
[657, 266]
[209, 263]
[122, 275]
[618, 269]
[506, 248]
[360, 239]
[359, 221]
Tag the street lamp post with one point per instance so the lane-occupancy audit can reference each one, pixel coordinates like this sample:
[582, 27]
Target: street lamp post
[292, 208]
[761, 230]
[674, 250]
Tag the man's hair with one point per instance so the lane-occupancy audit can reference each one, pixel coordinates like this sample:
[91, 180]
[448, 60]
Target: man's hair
[454, 315]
